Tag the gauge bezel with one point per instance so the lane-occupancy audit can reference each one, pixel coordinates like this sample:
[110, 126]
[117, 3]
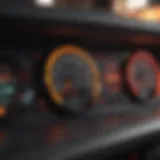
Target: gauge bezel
[51, 62]
[146, 56]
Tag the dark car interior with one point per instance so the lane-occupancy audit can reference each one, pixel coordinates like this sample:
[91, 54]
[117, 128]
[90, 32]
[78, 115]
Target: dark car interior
[79, 80]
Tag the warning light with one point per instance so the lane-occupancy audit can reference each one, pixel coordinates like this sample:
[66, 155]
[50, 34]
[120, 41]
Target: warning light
[112, 78]
[3, 112]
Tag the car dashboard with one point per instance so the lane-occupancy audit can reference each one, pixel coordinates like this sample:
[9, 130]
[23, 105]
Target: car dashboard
[79, 81]
[77, 85]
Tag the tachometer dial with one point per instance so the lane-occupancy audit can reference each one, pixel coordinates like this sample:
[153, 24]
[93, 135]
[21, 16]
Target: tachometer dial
[141, 75]
[72, 78]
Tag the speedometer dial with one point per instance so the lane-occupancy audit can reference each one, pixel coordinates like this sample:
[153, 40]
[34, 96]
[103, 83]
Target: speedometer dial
[142, 71]
[72, 78]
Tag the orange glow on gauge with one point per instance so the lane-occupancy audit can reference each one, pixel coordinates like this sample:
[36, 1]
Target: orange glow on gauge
[141, 74]
[76, 59]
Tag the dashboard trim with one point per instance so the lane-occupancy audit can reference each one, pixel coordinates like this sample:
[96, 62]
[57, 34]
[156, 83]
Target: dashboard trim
[112, 142]
[71, 16]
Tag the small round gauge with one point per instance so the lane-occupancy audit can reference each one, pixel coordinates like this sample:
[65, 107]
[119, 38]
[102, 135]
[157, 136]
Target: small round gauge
[72, 78]
[141, 75]
[14, 86]
[7, 88]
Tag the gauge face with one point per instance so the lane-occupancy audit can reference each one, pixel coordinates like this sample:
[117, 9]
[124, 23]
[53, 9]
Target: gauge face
[72, 78]
[142, 75]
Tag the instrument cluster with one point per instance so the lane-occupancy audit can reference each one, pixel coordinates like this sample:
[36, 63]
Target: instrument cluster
[75, 80]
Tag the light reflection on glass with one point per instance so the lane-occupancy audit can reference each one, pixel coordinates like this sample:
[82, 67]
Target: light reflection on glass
[45, 3]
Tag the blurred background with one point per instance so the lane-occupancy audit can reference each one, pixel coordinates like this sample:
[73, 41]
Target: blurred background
[148, 10]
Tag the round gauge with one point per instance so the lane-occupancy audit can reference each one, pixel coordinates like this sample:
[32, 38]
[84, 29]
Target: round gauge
[72, 78]
[7, 88]
[141, 75]
[14, 86]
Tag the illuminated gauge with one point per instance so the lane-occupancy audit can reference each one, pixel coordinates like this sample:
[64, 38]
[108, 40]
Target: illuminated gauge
[7, 88]
[72, 78]
[141, 72]
[14, 86]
